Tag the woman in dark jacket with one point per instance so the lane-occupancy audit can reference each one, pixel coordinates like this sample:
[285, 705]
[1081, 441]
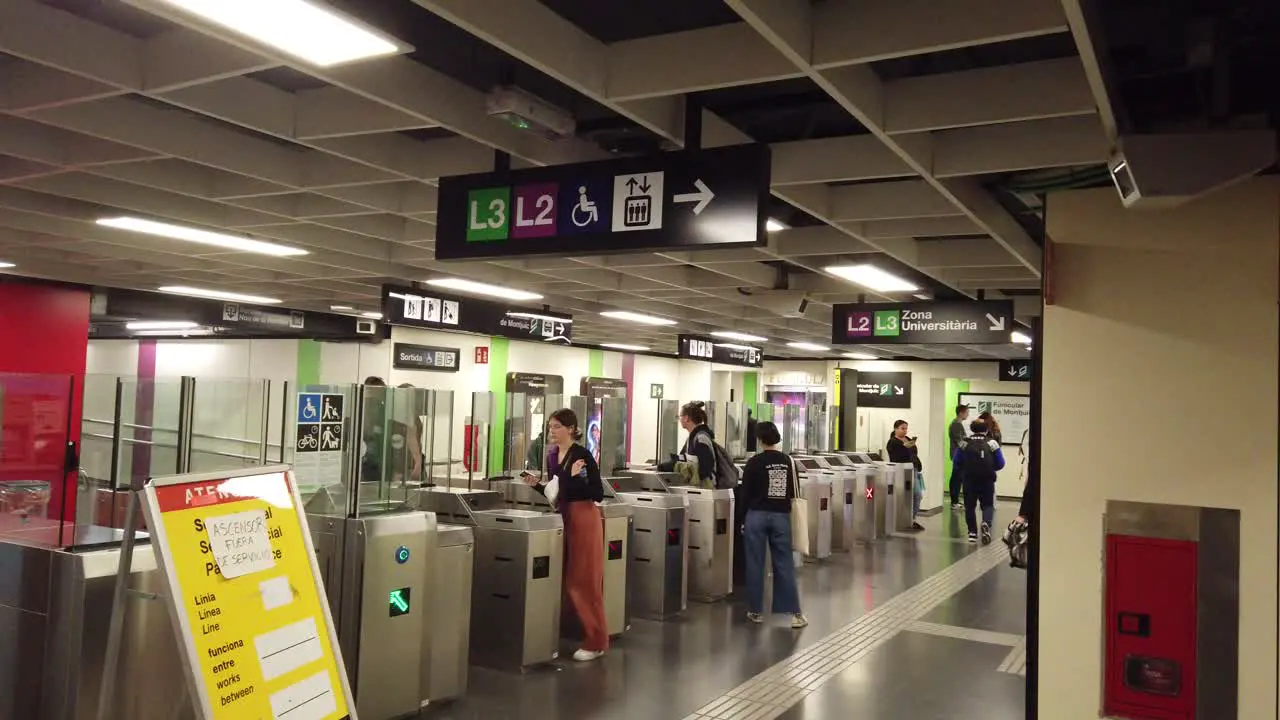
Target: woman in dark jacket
[579, 488]
[693, 418]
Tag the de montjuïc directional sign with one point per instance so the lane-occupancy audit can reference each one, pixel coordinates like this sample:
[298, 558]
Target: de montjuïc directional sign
[1015, 370]
[978, 322]
[691, 199]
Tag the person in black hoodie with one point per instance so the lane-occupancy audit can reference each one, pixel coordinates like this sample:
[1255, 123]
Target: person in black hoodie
[700, 445]
[769, 484]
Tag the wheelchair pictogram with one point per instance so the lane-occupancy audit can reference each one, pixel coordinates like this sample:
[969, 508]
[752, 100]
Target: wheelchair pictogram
[585, 212]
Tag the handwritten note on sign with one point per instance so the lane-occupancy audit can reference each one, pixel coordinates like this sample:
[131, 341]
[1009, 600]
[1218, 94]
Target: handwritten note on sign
[240, 543]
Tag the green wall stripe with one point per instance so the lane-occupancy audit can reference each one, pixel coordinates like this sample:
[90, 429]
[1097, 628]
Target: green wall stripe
[308, 371]
[499, 356]
[749, 389]
[595, 365]
[953, 389]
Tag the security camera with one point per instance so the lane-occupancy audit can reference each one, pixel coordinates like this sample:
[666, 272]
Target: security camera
[366, 327]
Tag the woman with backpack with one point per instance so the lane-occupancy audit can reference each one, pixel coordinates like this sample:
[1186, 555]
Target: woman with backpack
[977, 463]
[701, 443]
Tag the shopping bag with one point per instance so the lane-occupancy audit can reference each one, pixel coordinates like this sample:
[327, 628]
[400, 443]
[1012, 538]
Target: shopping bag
[552, 491]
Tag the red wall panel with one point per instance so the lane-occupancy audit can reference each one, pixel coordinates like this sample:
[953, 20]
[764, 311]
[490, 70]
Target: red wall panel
[44, 338]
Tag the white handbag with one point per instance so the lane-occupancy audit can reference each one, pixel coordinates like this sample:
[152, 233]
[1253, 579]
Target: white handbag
[799, 516]
[552, 491]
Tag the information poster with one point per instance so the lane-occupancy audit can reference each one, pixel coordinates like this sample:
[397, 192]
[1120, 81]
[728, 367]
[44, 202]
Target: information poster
[252, 620]
[1013, 412]
[319, 439]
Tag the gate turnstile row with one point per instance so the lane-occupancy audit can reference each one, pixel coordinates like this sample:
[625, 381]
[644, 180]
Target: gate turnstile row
[869, 501]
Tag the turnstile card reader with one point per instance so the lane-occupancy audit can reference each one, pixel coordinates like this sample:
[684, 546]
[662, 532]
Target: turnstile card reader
[659, 562]
[710, 542]
[445, 654]
[515, 598]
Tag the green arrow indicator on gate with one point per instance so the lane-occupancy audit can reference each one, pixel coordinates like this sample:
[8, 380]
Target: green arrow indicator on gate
[399, 602]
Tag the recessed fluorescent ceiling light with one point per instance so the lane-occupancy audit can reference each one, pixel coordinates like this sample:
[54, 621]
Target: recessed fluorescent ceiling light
[808, 346]
[479, 288]
[218, 295]
[733, 346]
[860, 356]
[300, 28]
[744, 337]
[620, 346]
[204, 237]
[872, 278]
[1020, 338]
[161, 325]
[637, 318]
[170, 333]
[536, 316]
[4, 264]
[341, 308]
[371, 314]
[774, 225]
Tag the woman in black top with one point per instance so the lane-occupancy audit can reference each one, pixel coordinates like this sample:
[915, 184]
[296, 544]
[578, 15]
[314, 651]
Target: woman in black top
[693, 418]
[579, 488]
[769, 484]
[903, 449]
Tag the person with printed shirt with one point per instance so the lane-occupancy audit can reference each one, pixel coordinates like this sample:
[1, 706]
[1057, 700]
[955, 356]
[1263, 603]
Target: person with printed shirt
[578, 488]
[768, 486]
[903, 449]
[977, 463]
[699, 446]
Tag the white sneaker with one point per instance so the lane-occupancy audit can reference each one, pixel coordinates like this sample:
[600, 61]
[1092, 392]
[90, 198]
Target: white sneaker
[798, 621]
[957, 506]
[585, 655]
[756, 618]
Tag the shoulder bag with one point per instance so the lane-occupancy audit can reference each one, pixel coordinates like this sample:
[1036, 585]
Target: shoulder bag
[799, 516]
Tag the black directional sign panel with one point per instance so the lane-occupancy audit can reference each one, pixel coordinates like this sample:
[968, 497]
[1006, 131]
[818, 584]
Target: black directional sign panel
[438, 311]
[988, 322]
[1015, 370]
[425, 357]
[695, 199]
[698, 347]
[884, 389]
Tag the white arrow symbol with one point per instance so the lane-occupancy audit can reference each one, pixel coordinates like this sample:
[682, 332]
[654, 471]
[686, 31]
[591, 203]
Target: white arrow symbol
[703, 197]
[898, 390]
[1013, 371]
[997, 324]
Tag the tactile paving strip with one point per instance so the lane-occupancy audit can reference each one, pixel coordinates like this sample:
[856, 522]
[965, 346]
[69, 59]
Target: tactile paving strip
[1015, 663]
[772, 692]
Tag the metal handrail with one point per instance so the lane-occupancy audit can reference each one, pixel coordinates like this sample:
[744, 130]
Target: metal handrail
[202, 436]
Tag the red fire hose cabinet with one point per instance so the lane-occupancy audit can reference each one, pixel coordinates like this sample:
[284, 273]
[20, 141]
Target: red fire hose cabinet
[1172, 604]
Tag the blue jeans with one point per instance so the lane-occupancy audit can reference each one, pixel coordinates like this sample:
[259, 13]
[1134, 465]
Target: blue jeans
[917, 494]
[773, 530]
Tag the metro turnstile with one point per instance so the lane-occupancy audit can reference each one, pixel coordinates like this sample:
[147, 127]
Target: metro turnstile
[449, 629]
[618, 536]
[364, 561]
[843, 494]
[516, 584]
[898, 507]
[659, 553]
[710, 542]
[868, 519]
[515, 598]
[815, 490]
[645, 481]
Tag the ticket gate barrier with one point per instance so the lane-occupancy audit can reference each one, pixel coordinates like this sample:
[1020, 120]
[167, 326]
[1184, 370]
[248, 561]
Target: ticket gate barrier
[618, 535]
[368, 563]
[844, 494]
[645, 481]
[868, 518]
[449, 631]
[898, 506]
[710, 542]
[515, 598]
[659, 560]
[815, 490]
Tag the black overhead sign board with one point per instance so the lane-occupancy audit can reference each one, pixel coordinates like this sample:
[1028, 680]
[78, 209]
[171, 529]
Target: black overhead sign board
[425, 357]
[535, 384]
[1015, 370]
[981, 322]
[698, 347]
[226, 319]
[438, 311]
[690, 199]
[884, 389]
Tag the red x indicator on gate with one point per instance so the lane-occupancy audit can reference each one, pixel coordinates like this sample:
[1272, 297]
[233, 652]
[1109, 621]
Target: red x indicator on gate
[871, 492]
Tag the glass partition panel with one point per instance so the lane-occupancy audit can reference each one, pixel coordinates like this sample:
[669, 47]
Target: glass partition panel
[792, 427]
[392, 428]
[613, 434]
[764, 412]
[734, 436]
[229, 424]
[35, 412]
[439, 457]
[476, 427]
[519, 452]
[668, 430]
[323, 446]
[817, 430]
